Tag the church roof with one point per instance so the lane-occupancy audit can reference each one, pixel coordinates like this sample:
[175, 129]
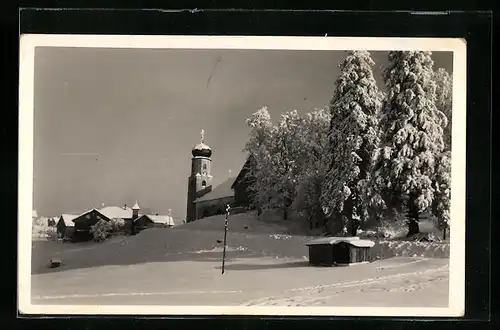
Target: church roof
[34, 214]
[221, 191]
[201, 146]
[201, 149]
[136, 206]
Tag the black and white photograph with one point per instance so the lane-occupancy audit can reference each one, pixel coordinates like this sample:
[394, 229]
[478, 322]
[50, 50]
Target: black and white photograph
[215, 175]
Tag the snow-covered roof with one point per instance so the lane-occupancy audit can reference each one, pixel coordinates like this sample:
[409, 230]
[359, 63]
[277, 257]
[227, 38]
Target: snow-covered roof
[355, 241]
[89, 211]
[136, 206]
[201, 146]
[221, 191]
[159, 219]
[333, 240]
[162, 219]
[114, 212]
[34, 214]
[68, 219]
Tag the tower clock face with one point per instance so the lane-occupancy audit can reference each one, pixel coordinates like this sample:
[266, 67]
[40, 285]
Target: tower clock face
[204, 173]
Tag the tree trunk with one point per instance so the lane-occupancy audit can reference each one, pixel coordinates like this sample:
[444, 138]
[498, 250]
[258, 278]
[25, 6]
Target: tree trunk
[348, 213]
[354, 227]
[285, 213]
[413, 216]
[444, 233]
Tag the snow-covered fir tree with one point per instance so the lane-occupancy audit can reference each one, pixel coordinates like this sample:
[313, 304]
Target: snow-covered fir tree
[444, 95]
[442, 191]
[353, 138]
[286, 159]
[442, 198]
[258, 148]
[412, 134]
[314, 154]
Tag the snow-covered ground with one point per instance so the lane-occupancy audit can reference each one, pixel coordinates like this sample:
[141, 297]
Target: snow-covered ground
[250, 281]
[266, 265]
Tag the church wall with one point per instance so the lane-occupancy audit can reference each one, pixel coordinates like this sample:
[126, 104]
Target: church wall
[213, 207]
[241, 195]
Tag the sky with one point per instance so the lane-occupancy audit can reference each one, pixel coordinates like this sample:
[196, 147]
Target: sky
[113, 126]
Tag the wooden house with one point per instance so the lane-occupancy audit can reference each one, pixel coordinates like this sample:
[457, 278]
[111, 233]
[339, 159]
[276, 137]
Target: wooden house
[121, 212]
[65, 225]
[84, 222]
[146, 221]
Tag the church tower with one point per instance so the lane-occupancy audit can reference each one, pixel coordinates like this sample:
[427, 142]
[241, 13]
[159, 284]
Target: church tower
[200, 180]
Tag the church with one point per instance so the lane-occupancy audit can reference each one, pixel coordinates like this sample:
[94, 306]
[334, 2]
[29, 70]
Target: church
[203, 200]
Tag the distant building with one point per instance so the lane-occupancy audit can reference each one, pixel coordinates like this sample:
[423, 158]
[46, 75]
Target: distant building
[126, 213]
[51, 222]
[65, 225]
[78, 227]
[202, 200]
[84, 222]
[34, 216]
[153, 221]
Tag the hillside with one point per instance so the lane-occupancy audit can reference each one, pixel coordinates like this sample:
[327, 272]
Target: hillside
[268, 223]
[247, 237]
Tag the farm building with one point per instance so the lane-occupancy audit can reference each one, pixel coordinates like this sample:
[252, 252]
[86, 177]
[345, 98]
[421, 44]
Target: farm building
[84, 222]
[78, 227]
[126, 213]
[152, 221]
[332, 251]
[65, 225]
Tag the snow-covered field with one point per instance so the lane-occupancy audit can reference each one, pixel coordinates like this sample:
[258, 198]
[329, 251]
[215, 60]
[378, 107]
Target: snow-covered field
[250, 281]
[266, 265]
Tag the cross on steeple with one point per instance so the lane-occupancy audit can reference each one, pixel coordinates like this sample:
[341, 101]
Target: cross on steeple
[202, 135]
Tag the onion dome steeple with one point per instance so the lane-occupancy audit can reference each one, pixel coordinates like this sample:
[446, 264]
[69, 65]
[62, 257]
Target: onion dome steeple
[201, 149]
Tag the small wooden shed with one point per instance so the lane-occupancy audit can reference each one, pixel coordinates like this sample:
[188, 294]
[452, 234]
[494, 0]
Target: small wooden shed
[332, 251]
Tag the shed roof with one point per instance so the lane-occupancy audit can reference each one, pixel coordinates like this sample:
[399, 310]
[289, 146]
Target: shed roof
[221, 191]
[355, 241]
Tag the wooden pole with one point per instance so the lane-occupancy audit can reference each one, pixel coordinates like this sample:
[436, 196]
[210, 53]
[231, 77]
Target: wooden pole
[228, 208]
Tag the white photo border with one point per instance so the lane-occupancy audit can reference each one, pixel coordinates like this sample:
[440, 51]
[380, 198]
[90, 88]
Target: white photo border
[28, 42]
